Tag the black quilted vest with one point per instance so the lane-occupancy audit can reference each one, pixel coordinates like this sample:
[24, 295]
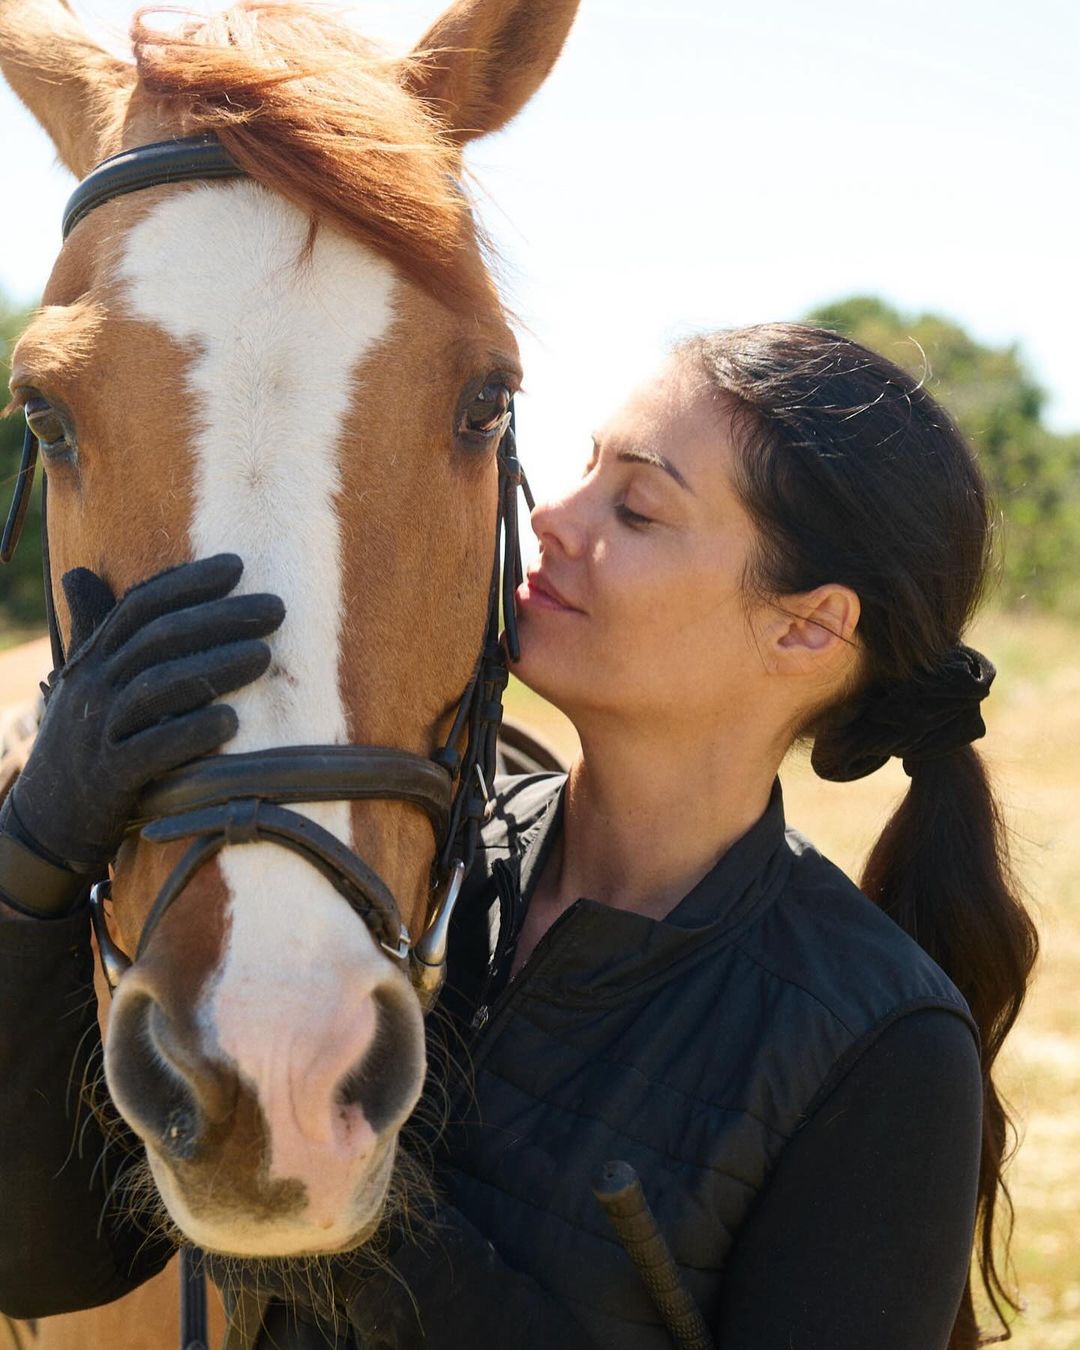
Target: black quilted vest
[691, 1047]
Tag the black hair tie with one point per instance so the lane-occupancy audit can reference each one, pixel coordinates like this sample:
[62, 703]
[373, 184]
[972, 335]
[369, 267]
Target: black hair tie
[932, 714]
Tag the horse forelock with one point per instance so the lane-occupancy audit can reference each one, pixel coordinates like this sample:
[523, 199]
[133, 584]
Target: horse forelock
[315, 112]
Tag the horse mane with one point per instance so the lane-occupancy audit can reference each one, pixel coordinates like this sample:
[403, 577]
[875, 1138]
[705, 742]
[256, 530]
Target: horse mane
[313, 111]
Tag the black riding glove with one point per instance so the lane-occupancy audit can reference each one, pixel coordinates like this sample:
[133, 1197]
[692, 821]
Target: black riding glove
[134, 700]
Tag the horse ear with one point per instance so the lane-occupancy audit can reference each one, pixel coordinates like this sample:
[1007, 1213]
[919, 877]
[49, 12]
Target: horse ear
[483, 60]
[72, 86]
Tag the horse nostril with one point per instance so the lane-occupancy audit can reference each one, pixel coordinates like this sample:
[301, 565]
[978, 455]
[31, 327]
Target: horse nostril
[182, 1133]
[383, 1083]
[150, 1088]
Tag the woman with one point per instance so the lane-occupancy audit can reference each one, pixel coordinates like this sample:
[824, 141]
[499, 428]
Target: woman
[781, 536]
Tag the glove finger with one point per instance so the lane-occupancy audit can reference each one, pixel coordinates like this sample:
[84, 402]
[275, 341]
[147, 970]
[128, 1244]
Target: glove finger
[181, 686]
[201, 628]
[89, 600]
[154, 752]
[191, 583]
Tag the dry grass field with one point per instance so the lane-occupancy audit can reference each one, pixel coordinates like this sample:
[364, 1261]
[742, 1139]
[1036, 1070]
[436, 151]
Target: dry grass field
[1034, 747]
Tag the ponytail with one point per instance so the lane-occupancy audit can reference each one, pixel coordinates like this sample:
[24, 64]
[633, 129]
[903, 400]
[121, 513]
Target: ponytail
[941, 870]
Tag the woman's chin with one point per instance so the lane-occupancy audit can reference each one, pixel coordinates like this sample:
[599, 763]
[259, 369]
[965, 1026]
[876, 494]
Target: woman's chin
[543, 669]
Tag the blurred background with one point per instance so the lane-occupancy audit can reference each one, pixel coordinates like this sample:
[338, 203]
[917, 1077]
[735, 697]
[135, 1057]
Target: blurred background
[905, 173]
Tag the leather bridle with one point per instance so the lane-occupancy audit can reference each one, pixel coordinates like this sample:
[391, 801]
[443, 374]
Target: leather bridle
[237, 799]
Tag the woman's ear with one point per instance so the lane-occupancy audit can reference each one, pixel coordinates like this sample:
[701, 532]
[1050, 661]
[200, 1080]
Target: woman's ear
[484, 59]
[813, 628]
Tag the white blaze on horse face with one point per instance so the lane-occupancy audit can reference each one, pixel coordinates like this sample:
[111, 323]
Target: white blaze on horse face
[278, 339]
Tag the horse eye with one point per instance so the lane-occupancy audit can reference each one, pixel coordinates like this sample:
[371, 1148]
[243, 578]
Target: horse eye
[485, 414]
[45, 422]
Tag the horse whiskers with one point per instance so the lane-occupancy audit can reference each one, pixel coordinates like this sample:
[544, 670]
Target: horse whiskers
[133, 1193]
[318, 1283]
[111, 1138]
[307, 1282]
[148, 1238]
[99, 1164]
[142, 1204]
[138, 1198]
[111, 1190]
[82, 1005]
[449, 1049]
[87, 1063]
[94, 1094]
[78, 1136]
[93, 1072]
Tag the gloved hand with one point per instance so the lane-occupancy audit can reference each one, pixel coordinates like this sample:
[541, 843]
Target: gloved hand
[134, 700]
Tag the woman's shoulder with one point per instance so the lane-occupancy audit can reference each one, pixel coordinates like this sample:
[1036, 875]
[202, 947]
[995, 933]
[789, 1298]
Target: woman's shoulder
[824, 938]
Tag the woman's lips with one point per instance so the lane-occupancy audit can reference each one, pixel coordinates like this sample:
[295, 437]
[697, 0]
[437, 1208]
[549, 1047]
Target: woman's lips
[536, 591]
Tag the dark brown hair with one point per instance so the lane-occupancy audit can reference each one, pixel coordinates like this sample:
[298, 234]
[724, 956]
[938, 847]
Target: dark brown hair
[855, 475]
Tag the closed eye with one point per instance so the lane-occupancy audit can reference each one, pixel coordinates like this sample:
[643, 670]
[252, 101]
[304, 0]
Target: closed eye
[632, 518]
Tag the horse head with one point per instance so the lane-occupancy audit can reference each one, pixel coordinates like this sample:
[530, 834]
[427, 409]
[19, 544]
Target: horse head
[308, 366]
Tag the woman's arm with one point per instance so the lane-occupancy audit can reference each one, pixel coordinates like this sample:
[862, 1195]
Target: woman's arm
[863, 1236]
[63, 1245]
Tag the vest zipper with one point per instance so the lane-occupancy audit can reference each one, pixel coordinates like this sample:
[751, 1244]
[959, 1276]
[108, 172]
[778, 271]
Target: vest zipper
[488, 1017]
[506, 887]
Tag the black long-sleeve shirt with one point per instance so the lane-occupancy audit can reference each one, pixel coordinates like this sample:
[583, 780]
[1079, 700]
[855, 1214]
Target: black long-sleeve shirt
[860, 1233]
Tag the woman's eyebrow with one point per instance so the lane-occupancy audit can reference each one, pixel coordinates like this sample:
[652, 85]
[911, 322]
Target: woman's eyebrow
[635, 454]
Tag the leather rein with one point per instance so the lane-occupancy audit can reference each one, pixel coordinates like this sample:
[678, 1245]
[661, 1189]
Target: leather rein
[227, 800]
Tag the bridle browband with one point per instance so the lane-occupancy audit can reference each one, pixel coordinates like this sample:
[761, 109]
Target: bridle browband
[196, 158]
[237, 799]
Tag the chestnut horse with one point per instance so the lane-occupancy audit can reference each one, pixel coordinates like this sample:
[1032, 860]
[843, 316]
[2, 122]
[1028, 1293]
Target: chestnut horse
[299, 367]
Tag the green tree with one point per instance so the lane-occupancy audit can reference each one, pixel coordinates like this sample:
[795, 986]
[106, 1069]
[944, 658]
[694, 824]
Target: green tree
[1034, 473]
[21, 595]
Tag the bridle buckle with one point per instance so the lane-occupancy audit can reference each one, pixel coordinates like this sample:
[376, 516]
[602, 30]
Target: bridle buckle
[400, 950]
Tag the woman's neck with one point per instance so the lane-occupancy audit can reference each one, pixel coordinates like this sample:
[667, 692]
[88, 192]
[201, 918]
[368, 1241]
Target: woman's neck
[646, 817]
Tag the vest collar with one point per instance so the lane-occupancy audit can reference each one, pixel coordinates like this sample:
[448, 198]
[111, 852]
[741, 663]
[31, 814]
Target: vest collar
[600, 949]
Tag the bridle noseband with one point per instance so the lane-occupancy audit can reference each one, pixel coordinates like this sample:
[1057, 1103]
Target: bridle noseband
[237, 799]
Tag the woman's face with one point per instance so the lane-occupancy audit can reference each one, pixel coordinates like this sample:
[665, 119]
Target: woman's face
[635, 606]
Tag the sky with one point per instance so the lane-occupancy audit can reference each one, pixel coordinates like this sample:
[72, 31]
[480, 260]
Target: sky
[695, 164]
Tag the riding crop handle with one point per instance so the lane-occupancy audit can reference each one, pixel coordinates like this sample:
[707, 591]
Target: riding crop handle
[618, 1189]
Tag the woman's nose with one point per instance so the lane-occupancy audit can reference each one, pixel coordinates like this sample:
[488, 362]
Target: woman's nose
[560, 523]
